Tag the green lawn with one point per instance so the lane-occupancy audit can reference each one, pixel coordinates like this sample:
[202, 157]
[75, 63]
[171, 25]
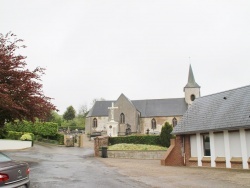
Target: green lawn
[135, 147]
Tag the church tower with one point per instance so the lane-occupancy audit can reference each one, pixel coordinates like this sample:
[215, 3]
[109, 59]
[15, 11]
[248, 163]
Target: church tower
[192, 89]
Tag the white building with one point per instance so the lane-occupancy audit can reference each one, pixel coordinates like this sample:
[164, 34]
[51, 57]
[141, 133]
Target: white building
[214, 132]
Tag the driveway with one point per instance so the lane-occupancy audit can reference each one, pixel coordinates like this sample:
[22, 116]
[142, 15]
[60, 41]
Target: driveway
[53, 166]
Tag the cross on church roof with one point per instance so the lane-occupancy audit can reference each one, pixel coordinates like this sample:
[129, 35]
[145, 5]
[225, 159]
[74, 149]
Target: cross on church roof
[112, 108]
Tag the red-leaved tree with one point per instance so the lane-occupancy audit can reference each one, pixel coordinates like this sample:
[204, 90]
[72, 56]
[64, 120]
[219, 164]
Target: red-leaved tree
[21, 95]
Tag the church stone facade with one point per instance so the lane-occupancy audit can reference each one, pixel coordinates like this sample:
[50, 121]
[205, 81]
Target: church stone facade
[141, 116]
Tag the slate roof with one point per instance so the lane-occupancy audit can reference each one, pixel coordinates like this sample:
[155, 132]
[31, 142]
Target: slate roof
[161, 107]
[221, 111]
[147, 108]
[100, 108]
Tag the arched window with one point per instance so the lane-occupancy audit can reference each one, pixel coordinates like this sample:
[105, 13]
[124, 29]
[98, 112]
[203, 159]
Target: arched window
[192, 97]
[94, 123]
[174, 122]
[122, 118]
[153, 124]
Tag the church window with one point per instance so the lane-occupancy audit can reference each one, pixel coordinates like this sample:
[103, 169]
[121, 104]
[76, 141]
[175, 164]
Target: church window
[153, 124]
[192, 97]
[174, 122]
[94, 123]
[206, 145]
[122, 118]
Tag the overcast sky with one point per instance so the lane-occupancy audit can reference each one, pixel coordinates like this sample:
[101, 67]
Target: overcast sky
[102, 48]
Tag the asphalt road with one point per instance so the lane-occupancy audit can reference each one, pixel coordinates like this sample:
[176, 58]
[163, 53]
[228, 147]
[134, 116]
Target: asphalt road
[53, 166]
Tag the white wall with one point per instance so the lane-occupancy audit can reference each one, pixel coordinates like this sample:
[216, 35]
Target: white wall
[193, 146]
[248, 143]
[234, 143]
[14, 144]
[219, 145]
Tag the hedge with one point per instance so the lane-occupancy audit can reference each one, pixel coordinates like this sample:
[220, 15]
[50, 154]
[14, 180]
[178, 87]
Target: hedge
[38, 128]
[13, 135]
[57, 139]
[134, 139]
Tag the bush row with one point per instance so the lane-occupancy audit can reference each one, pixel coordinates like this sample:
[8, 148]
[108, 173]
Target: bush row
[57, 139]
[37, 128]
[134, 139]
[41, 130]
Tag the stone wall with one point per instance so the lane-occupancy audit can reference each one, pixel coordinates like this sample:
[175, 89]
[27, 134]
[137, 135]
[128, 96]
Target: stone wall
[156, 155]
[99, 142]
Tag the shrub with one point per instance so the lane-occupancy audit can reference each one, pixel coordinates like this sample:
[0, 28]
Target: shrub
[60, 138]
[135, 139]
[38, 137]
[3, 133]
[26, 137]
[13, 135]
[166, 135]
[46, 129]
[21, 126]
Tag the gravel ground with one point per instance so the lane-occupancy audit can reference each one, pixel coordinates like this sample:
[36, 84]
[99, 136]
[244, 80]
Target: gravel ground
[155, 175]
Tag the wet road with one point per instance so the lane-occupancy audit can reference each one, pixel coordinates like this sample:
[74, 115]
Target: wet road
[73, 167]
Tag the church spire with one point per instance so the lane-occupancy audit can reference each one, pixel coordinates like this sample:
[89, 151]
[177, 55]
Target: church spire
[192, 89]
[191, 81]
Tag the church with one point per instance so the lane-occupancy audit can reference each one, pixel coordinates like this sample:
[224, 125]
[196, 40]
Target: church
[124, 116]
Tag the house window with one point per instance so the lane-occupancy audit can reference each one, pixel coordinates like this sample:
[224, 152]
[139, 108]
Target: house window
[122, 118]
[94, 123]
[153, 124]
[206, 145]
[192, 97]
[174, 122]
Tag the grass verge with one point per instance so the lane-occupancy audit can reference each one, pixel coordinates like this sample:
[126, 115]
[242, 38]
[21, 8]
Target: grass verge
[136, 147]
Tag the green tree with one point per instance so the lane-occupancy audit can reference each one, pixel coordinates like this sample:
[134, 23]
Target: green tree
[55, 118]
[166, 135]
[83, 111]
[70, 113]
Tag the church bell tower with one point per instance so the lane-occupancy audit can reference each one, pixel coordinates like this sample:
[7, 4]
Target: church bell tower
[192, 89]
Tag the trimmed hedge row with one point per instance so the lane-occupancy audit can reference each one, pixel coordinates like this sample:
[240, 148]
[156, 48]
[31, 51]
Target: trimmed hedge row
[134, 139]
[38, 128]
[57, 139]
[48, 130]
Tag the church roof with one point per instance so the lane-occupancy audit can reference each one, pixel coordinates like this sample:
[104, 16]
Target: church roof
[100, 108]
[147, 108]
[161, 107]
[227, 110]
[191, 81]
